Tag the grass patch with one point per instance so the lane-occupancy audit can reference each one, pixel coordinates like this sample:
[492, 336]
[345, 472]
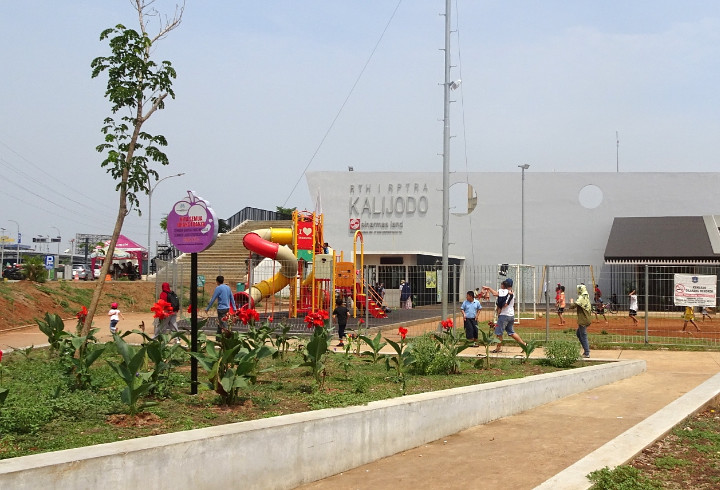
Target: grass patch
[43, 414]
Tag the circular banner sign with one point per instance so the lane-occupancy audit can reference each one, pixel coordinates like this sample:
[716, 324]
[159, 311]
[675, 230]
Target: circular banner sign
[192, 225]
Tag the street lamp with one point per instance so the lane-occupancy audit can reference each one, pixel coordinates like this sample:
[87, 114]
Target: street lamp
[2, 254]
[150, 193]
[17, 245]
[523, 168]
[59, 239]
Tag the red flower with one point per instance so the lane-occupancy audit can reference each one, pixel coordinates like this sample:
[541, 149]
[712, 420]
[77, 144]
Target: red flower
[316, 319]
[309, 323]
[361, 321]
[403, 332]
[162, 309]
[0, 356]
[82, 315]
[491, 323]
[254, 315]
[270, 319]
[323, 314]
[447, 324]
[189, 310]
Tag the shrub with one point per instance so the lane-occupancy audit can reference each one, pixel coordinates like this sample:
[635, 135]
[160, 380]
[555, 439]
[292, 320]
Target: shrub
[425, 349]
[621, 478]
[562, 353]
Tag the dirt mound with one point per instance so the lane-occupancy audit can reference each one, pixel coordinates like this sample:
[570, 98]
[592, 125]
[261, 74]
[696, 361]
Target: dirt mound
[22, 302]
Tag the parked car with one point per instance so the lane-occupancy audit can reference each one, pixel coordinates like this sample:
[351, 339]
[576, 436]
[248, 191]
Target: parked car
[13, 272]
[96, 271]
[81, 272]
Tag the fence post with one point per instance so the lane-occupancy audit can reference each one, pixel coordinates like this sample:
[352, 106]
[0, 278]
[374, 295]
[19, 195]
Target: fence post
[647, 297]
[546, 286]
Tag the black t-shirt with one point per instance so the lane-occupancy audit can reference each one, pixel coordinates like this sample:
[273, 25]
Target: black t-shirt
[342, 314]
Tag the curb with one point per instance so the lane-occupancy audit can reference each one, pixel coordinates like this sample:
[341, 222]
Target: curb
[631, 442]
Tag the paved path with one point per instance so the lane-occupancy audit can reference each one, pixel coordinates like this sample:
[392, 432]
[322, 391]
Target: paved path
[522, 451]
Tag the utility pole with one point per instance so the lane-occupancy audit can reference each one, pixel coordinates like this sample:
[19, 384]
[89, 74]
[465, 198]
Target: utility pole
[446, 168]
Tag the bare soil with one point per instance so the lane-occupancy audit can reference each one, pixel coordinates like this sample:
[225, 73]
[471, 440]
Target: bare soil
[688, 457]
[23, 301]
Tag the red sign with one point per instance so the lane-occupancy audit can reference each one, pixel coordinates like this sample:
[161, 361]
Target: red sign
[354, 224]
[304, 234]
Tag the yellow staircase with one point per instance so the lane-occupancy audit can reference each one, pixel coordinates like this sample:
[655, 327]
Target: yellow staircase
[226, 257]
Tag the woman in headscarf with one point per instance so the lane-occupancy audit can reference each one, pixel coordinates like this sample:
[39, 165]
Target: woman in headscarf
[584, 317]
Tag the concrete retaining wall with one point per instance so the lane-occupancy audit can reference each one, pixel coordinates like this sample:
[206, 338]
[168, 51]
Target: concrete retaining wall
[284, 452]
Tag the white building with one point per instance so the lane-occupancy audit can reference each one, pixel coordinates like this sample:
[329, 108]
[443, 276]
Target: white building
[568, 217]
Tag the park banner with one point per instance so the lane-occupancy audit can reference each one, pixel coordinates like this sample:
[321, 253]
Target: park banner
[695, 290]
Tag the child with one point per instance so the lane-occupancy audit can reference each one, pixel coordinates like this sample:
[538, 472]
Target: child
[560, 302]
[632, 312]
[706, 313]
[115, 317]
[341, 315]
[471, 310]
[689, 316]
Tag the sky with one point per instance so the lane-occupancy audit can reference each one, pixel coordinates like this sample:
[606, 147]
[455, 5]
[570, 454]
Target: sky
[265, 90]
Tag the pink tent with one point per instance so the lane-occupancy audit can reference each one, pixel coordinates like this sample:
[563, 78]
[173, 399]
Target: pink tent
[124, 248]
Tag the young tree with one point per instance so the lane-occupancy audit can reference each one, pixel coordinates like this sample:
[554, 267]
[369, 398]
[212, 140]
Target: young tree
[137, 87]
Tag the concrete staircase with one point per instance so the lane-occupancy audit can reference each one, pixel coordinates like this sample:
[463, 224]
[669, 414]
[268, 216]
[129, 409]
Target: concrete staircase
[227, 256]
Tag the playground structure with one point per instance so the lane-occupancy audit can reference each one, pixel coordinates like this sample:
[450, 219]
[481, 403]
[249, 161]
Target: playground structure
[314, 275]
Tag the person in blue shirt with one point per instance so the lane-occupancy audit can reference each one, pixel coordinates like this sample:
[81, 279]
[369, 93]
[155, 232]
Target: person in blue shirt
[224, 296]
[471, 311]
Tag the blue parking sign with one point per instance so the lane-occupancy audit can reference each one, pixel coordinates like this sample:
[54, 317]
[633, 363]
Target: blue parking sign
[49, 262]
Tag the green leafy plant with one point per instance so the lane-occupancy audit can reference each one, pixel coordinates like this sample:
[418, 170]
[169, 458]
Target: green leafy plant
[402, 358]
[282, 340]
[528, 349]
[136, 384]
[487, 339]
[35, 269]
[425, 350]
[452, 345]
[79, 353]
[375, 345]
[164, 352]
[623, 477]
[54, 329]
[562, 353]
[230, 364]
[318, 346]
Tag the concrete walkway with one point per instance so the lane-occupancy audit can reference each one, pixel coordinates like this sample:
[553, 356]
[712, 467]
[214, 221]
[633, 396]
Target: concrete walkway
[522, 451]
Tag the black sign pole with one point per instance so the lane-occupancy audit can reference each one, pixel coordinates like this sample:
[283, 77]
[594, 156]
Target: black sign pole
[193, 324]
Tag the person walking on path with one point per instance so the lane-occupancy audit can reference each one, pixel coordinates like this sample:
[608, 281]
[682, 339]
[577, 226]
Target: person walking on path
[506, 312]
[169, 296]
[341, 315]
[471, 311]
[633, 307]
[584, 317]
[115, 317]
[223, 295]
[689, 316]
[560, 302]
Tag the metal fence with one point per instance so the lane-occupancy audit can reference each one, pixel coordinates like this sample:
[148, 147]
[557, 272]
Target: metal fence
[659, 320]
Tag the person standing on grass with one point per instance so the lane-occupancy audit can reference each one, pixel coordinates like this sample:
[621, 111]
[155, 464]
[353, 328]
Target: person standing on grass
[584, 317]
[506, 312]
[223, 295]
[341, 314]
[689, 316]
[633, 307]
[560, 303]
[471, 311]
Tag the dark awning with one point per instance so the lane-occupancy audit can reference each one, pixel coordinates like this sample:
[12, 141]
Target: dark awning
[663, 240]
